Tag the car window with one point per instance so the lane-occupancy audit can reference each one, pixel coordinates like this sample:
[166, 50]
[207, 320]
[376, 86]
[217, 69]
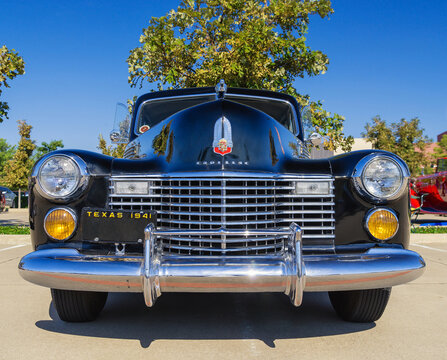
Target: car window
[279, 110]
[154, 111]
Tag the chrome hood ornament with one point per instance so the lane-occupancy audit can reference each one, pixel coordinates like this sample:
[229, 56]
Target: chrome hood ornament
[223, 142]
[221, 89]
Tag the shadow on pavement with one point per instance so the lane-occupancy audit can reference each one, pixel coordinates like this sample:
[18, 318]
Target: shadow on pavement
[13, 222]
[266, 317]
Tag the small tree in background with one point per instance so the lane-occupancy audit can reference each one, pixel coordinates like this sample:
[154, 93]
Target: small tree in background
[17, 170]
[11, 65]
[6, 154]
[440, 150]
[45, 148]
[379, 134]
[404, 138]
[250, 44]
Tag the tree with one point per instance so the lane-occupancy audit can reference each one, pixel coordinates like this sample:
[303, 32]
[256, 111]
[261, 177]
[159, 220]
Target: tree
[249, 43]
[45, 148]
[116, 151]
[6, 153]
[17, 170]
[11, 65]
[404, 138]
[379, 134]
[440, 149]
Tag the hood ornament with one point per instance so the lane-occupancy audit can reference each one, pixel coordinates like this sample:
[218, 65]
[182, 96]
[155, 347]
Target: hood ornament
[221, 89]
[223, 142]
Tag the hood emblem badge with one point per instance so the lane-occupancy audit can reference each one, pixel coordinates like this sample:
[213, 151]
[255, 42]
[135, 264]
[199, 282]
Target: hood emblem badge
[223, 142]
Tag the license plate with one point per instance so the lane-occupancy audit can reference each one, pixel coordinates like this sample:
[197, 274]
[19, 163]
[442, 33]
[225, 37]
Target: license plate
[115, 225]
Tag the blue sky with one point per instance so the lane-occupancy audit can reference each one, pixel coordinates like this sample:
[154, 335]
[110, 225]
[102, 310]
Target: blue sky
[386, 57]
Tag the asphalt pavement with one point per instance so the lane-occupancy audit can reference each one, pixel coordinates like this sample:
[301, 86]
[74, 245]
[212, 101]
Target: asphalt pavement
[225, 326]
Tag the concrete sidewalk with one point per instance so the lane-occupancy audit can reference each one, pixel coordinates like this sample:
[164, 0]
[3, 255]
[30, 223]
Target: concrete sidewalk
[14, 217]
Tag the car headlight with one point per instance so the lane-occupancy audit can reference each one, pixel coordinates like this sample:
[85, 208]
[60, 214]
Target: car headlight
[380, 177]
[61, 176]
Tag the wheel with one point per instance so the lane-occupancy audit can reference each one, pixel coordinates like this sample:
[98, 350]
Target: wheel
[78, 306]
[360, 305]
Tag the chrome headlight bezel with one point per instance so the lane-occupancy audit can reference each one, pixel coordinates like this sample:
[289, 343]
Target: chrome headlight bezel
[357, 177]
[79, 188]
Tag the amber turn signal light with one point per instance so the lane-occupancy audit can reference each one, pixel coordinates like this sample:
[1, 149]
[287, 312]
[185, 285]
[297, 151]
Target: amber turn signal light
[60, 223]
[382, 224]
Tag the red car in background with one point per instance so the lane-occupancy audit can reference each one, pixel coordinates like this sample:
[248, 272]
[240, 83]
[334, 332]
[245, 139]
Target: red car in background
[2, 202]
[429, 192]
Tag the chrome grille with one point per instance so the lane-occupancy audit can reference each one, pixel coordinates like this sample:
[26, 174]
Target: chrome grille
[242, 203]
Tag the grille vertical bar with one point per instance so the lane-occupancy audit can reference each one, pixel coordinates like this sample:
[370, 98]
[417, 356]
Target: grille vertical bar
[250, 203]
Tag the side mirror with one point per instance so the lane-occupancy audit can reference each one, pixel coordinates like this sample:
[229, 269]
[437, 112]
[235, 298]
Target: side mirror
[121, 128]
[314, 139]
[115, 136]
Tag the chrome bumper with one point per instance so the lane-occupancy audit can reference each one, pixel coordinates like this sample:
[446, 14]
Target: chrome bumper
[152, 274]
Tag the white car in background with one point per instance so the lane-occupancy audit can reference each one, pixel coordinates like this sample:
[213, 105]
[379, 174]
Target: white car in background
[9, 196]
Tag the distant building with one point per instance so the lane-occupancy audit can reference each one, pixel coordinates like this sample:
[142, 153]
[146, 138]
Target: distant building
[359, 144]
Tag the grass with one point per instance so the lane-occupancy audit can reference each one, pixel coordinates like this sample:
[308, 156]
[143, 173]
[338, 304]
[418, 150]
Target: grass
[429, 230]
[14, 230]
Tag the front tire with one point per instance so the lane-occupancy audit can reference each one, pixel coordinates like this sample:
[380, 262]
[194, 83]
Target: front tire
[78, 306]
[360, 305]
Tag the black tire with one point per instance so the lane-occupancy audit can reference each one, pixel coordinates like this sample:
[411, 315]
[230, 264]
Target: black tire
[360, 305]
[78, 306]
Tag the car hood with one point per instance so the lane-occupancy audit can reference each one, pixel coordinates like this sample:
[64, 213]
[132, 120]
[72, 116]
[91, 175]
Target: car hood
[189, 141]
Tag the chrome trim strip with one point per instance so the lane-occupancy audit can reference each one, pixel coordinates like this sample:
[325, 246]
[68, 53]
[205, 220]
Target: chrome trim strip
[231, 174]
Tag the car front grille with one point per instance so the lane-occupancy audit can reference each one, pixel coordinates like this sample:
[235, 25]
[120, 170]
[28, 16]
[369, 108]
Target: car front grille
[234, 203]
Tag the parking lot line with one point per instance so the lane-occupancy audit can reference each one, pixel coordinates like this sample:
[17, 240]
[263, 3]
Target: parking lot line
[12, 247]
[429, 247]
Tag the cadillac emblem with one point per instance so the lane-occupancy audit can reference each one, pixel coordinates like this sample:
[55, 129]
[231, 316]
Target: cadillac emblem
[223, 143]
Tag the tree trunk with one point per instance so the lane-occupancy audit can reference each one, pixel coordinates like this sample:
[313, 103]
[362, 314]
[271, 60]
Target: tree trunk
[20, 198]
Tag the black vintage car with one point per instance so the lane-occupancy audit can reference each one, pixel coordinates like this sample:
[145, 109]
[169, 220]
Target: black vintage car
[217, 193]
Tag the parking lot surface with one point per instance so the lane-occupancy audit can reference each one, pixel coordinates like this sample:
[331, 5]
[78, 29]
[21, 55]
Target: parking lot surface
[226, 326]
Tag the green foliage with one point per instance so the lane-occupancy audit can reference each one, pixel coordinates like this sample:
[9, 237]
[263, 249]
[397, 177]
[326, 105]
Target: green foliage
[17, 170]
[440, 150]
[116, 151]
[6, 153]
[14, 230]
[404, 138]
[429, 230]
[251, 44]
[330, 126]
[379, 134]
[45, 148]
[11, 65]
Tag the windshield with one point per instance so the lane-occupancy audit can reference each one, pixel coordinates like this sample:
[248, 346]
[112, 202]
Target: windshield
[154, 111]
